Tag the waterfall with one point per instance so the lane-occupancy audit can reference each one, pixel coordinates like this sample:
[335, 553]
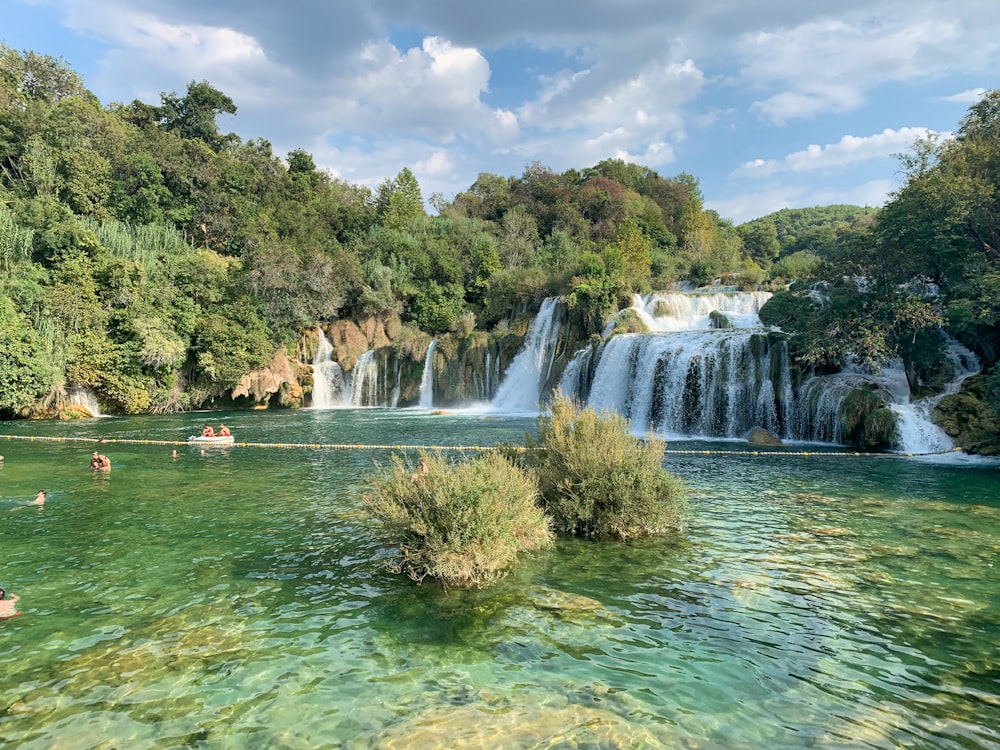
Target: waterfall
[519, 390]
[711, 383]
[82, 396]
[328, 378]
[397, 387]
[427, 379]
[364, 381]
[663, 312]
[687, 378]
[917, 433]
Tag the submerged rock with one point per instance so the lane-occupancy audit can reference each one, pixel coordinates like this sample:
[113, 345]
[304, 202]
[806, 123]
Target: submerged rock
[483, 726]
[553, 600]
[760, 436]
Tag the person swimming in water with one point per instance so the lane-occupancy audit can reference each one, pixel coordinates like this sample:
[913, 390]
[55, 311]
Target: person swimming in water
[8, 605]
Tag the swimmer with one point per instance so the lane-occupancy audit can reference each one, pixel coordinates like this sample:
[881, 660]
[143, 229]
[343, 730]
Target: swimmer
[8, 605]
[100, 462]
[39, 498]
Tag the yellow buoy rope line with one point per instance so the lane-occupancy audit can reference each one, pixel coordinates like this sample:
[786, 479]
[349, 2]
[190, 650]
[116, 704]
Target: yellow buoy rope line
[400, 446]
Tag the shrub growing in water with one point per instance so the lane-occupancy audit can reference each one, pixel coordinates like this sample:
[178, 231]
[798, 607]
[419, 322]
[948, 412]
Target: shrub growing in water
[596, 478]
[463, 524]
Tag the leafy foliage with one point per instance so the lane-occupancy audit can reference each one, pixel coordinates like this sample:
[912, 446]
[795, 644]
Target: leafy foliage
[464, 524]
[597, 479]
[135, 239]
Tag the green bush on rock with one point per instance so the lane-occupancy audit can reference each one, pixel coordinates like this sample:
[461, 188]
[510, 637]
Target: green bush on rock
[463, 524]
[596, 478]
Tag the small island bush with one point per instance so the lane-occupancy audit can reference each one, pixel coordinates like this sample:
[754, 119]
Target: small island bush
[596, 478]
[464, 523]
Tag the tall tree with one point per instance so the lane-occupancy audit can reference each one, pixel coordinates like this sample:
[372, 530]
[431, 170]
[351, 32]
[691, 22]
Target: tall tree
[194, 115]
[398, 201]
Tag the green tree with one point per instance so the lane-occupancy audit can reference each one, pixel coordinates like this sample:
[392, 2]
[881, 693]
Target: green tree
[27, 373]
[398, 201]
[194, 115]
[760, 238]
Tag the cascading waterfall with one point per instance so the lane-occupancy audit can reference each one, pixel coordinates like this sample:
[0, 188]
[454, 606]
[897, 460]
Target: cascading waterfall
[917, 433]
[705, 368]
[427, 379]
[662, 312]
[82, 396]
[712, 383]
[689, 377]
[328, 379]
[365, 381]
[519, 390]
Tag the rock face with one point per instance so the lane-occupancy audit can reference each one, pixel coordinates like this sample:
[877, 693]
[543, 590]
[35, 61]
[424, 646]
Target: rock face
[280, 378]
[967, 418]
[759, 436]
[351, 339]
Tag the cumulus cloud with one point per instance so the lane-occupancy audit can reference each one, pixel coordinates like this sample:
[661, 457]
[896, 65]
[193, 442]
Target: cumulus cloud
[370, 86]
[830, 64]
[435, 89]
[969, 96]
[847, 151]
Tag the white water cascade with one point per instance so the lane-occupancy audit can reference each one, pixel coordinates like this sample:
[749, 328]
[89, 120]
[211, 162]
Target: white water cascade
[82, 396]
[328, 378]
[712, 383]
[427, 379]
[520, 389]
[709, 368]
[662, 312]
[917, 433]
[688, 377]
[364, 380]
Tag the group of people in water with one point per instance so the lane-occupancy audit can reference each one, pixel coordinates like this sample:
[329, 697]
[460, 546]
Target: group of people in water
[209, 431]
[98, 463]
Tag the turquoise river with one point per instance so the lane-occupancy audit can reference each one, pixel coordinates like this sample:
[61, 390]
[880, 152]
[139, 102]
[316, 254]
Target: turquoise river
[235, 599]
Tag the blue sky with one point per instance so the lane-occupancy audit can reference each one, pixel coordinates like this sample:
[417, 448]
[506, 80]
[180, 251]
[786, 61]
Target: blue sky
[769, 103]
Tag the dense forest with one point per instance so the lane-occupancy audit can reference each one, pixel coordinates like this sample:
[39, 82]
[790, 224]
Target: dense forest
[157, 261]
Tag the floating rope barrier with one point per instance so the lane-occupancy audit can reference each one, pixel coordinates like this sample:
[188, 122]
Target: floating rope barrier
[478, 448]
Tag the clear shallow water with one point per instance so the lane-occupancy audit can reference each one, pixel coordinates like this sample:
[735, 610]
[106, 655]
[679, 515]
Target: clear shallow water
[234, 600]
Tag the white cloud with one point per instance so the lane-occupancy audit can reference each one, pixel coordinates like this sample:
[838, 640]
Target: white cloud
[438, 164]
[970, 96]
[492, 87]
[830, 64]
[435, 89]
[848, 151]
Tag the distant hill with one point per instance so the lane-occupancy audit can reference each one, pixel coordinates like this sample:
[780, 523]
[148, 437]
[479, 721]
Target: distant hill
[792, 230]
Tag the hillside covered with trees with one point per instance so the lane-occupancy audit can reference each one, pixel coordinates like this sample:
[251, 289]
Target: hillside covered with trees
[156, 260]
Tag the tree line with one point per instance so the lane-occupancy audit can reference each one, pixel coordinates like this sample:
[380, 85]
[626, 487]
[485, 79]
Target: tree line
[158, 260]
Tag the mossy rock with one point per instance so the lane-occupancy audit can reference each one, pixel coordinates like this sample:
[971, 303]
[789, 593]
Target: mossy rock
[74, 411]
[968, 419]
[662, 309]
[719, 320]
[867, 420]
[760, 436]
[628, 322]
